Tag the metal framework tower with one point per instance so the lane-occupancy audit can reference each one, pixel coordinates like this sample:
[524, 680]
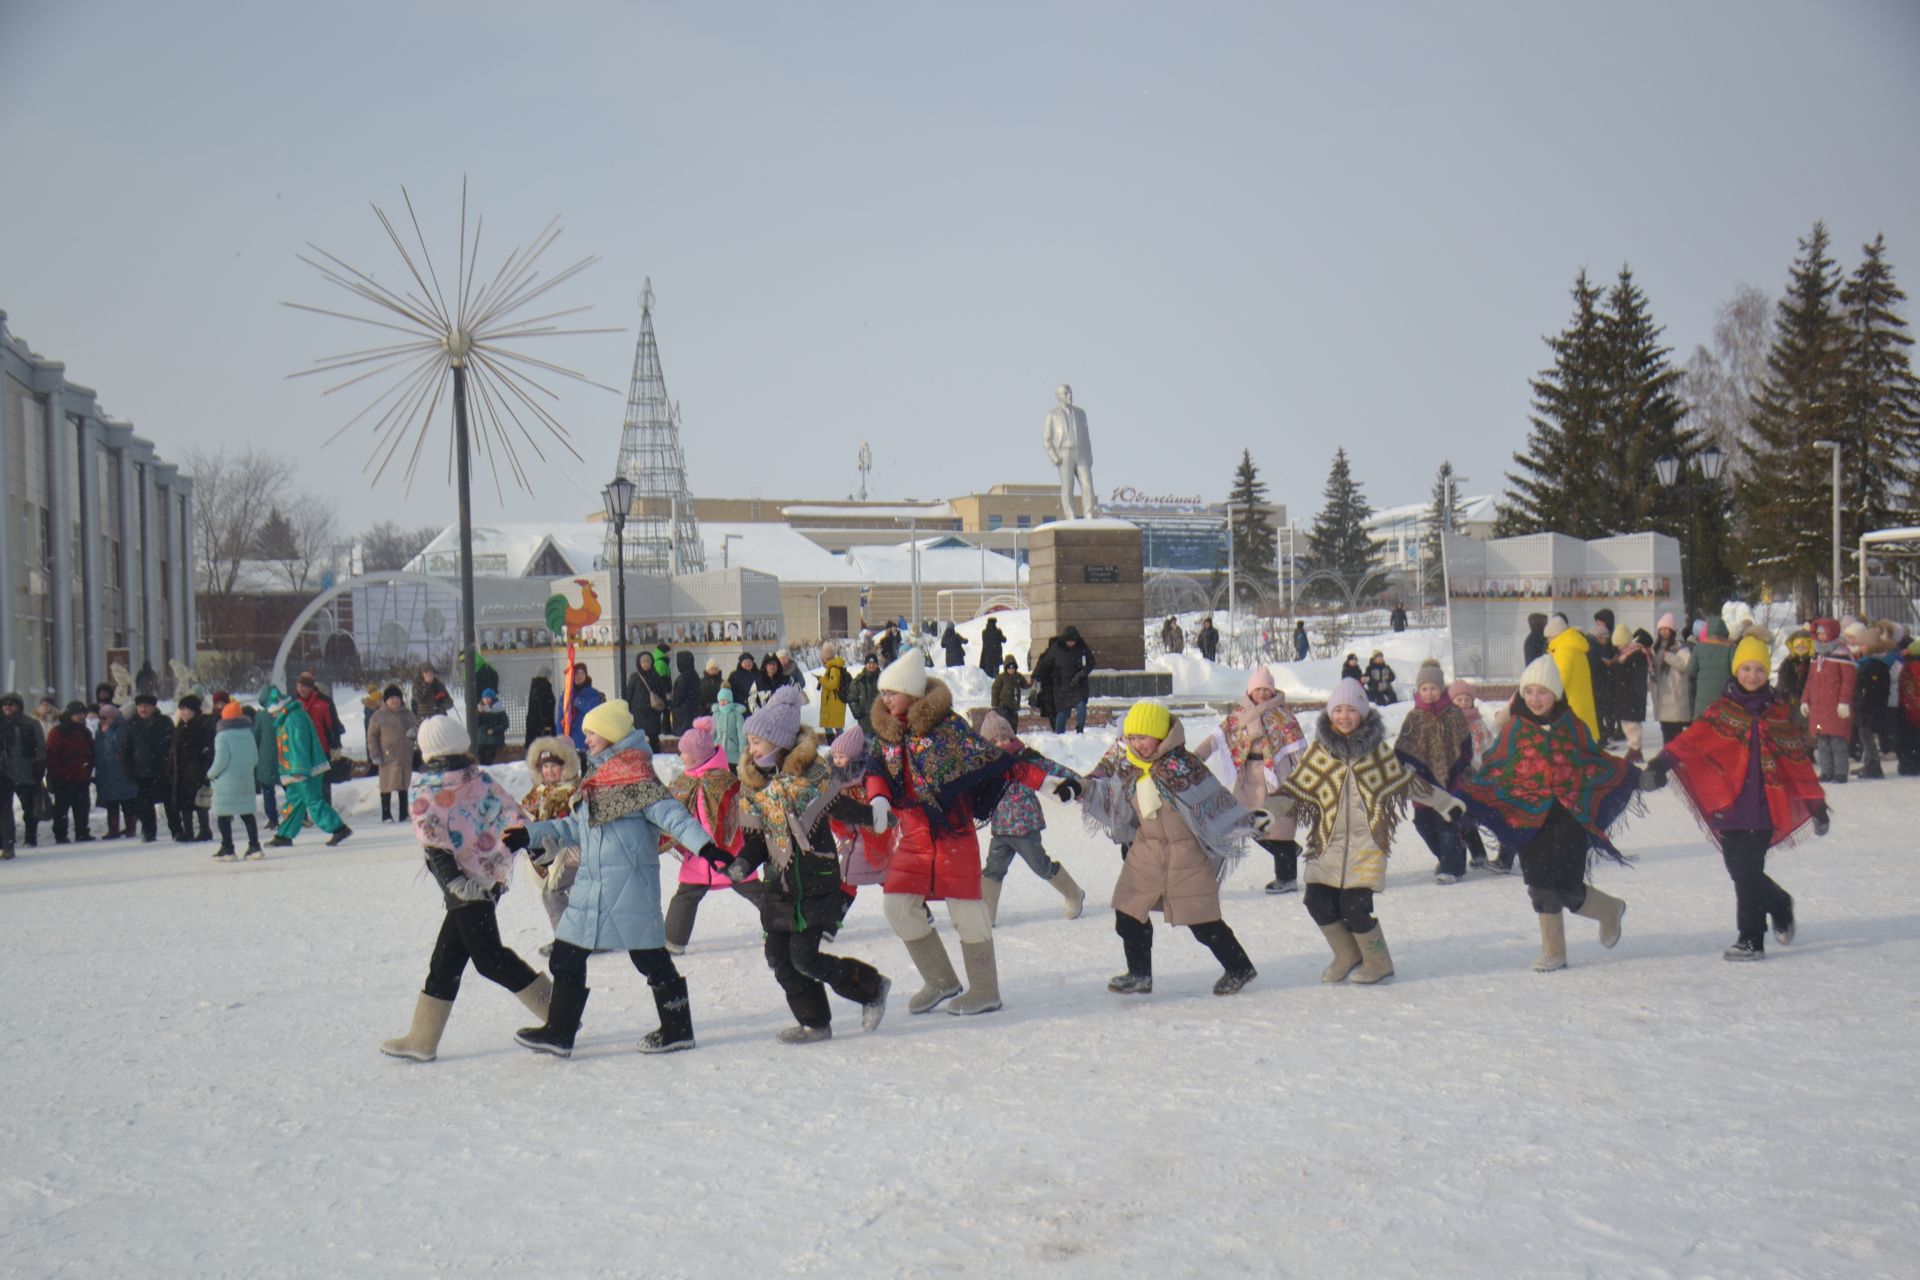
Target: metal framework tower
[662, 534]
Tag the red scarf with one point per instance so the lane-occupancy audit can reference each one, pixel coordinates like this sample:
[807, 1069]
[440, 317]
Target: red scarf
[1712, 757]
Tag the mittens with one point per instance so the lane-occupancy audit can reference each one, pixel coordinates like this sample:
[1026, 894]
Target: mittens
[1652, 778]
[515, 838]
[468, 888]
[1068, 790]
[882, 814]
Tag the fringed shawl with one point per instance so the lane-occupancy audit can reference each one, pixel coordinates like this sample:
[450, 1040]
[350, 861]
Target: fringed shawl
[1363, 757]
[1535, 765]
[1712, 758]
[790, 804]
[624, 784]
[1221, 824]
[1265, 728]
[935, 761]
[1437, 735]
[707, 792]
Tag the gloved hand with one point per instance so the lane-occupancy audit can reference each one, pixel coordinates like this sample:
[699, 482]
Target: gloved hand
[1846, 712]
[882, 814]
[1452, 809]
[515, 838]
[1805, 711]
[1262, 822]
[1652, 778]
[1822, 823]
[737, 871]
[469, 888]
[1068, 790]
[717, 857]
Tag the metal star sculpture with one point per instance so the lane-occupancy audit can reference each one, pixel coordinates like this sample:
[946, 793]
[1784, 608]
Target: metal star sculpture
[468, 343]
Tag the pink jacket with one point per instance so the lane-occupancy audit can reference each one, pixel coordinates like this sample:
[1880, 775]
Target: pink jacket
[695, 869]
[1830, 683]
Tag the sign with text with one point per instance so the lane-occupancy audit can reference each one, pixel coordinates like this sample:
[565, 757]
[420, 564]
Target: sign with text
[1103, 573]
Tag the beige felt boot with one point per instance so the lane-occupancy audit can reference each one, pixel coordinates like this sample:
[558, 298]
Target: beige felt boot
[537, 996]
[936, 973]
[422, 1041]
[1606, 909]
[1070, 890]
[1553, 944]
[1376, 963]
[983, 980]
[1346, 952]
[990, 894]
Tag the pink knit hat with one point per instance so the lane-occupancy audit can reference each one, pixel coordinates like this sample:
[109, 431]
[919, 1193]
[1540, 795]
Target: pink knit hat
[1348, 693]
[696, 744]
[849, 744]
[1457, 688]
[1261, 679]
[994, 728]
[1667, 620]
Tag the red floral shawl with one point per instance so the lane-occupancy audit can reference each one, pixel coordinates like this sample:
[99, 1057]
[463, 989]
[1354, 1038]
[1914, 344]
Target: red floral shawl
[1710, 762]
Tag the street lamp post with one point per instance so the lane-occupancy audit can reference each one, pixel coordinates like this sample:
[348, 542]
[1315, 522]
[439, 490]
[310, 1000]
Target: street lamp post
[1670, 468]
[619, 498]
[1838, 608]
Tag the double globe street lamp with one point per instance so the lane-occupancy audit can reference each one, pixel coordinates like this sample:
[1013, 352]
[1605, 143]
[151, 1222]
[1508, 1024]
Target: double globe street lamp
[1671, 468]
[619, 499]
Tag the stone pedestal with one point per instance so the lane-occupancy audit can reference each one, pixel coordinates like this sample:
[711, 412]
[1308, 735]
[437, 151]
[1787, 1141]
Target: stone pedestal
[1089, 574]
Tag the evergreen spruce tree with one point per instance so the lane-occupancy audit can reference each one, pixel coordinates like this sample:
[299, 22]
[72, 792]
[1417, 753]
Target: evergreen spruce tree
[1255, 545]
[1554, 489]
[1880, 415]
[1338, 543]
[1444, 514]
[1783, 495]
[1644, 418]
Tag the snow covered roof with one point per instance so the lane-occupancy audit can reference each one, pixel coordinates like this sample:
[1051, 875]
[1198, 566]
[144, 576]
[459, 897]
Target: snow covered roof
[778, 549]
[893, 564]
[511, 550]
[868, 511]
[1478, 510]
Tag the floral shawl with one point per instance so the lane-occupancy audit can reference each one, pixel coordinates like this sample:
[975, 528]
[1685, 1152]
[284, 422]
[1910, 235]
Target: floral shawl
[1436, 735]
[936, 762]
[1267, 729]
[622, 785]
[706, 791]
[787, 806]
[466, 812]
[1712, 758]
[1536, 764]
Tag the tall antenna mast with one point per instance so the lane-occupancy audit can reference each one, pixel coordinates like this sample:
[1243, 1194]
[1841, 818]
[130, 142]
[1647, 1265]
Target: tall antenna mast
[866, 467]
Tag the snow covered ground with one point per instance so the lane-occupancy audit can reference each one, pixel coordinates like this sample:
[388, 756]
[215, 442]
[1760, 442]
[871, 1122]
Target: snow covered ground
[193, 1087]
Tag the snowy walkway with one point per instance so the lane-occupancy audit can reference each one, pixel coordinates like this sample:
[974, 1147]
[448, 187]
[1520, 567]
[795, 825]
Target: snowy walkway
[193, 1087]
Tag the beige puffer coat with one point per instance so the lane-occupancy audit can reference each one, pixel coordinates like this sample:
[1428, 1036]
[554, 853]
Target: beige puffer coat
[390, 736]
[1166, 870]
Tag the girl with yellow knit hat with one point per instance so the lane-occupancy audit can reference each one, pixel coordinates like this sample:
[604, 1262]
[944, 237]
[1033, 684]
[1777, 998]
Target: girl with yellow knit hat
[1179, 833]
[1745, 768]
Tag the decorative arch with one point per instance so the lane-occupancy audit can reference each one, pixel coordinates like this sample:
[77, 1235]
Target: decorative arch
[278, 671]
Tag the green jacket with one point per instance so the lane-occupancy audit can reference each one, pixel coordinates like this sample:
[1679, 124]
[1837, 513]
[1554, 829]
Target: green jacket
[266, 765]
[297, 745]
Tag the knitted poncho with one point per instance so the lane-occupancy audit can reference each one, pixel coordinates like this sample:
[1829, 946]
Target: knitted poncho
[1361, 758]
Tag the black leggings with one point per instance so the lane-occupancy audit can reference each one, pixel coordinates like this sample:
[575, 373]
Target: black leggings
[1286, 859]
[568, 964]
[1755, 895]
[1136, 939]
[226, 830]
[1328, 905]
[472, 933]
[805, 972]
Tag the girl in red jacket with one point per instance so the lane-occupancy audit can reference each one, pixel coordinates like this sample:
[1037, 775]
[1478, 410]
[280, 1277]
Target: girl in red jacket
[1827, 701]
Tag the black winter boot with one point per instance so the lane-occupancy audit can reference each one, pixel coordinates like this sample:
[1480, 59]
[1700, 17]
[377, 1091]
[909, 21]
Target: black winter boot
[1136, 941]
[386, 806]
[1218, 938]
[676, 1019]
[563, 1022]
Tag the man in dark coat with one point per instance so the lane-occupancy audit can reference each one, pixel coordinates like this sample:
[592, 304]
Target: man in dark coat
[23, 761]
[146, 749]
[889, 647]
[955, 647]
[646, 686]
[188, 760]
[1208, 639]
[741, 680]
[1301, 648]
[686, 692]
[1535, 646]
[1600, 654]
[1398, 618]
[70, 772]
[431, 697]
[1068, 665]
[993, 643]
[541, 707]
[863, 691]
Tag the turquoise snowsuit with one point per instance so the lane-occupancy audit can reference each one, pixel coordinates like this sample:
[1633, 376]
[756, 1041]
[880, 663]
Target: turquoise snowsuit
[302, 764]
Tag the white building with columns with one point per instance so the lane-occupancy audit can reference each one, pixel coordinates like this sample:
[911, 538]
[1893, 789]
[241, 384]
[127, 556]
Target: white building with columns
[96, 551]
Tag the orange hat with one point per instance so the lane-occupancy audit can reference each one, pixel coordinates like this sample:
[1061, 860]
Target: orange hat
[232, 711]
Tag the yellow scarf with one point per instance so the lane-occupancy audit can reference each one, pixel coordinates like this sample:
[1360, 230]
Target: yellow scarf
[1145, 792]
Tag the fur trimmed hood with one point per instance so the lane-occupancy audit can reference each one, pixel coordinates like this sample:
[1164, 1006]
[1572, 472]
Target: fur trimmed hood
[1352, 746]
[797, 761]
[927, 712]
[562, 747]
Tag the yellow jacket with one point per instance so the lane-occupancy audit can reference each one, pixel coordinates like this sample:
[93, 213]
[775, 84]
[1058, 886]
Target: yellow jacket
[1569, 650]
[833, 698]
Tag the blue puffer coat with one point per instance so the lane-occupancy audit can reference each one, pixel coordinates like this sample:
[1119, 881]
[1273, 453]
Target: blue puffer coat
[111, 785]
[615, 901]
[234, 755]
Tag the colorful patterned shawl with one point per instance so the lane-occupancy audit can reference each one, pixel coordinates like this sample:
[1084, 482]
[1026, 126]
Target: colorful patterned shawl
[788, 806]
[1535, 765]
[1221, 824]
[1711, 759]
[1436, 735]
[1268, 728]
[624, 784]
[935, 761]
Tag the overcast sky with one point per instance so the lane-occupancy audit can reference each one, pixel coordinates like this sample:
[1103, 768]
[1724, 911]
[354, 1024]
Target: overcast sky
[1279, 227]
